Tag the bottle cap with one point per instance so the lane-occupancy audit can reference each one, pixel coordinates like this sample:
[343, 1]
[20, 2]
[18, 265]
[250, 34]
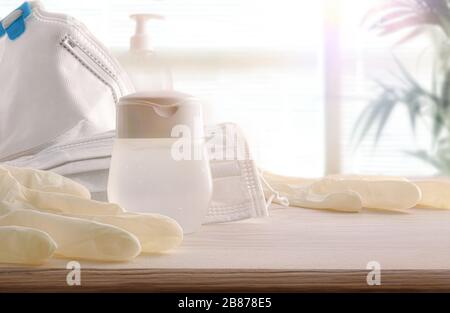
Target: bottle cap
[155, 114]
[141, 40]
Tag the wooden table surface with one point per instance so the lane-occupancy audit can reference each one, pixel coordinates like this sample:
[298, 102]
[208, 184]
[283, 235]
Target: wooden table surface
[292, 250]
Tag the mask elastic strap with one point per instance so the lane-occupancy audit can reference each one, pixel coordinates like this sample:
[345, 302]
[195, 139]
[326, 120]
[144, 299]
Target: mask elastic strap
[284, 201]
[14, 23]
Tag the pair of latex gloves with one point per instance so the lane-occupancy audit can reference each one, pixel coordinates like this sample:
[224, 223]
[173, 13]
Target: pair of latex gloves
[350, 193]
[43, 214]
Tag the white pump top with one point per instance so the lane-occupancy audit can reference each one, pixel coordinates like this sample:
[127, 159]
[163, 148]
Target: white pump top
[141, 39]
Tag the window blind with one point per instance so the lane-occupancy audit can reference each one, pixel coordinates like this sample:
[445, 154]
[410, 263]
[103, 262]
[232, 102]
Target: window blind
[259, 63]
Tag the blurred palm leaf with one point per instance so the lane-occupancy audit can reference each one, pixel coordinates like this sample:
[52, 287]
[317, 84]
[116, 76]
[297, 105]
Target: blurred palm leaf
[408, 93]
[440, 159]
[413, 17]
[377, 112]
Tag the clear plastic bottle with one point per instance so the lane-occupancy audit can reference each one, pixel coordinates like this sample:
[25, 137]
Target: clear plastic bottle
[148, 172]
[147, 70]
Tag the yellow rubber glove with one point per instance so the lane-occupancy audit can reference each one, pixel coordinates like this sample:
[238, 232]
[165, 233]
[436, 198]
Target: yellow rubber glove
[61, 201]
[383, 193]
[155, 233]
[22, 245]
[347, 193]
[435, 193]
[298, 193]
[47, 181]
[77, 238]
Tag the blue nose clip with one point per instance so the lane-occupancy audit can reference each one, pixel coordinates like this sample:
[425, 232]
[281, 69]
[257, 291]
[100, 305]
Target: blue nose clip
[14, 23]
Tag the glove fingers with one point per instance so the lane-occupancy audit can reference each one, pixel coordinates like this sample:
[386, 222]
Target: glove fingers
[435, 194]
[12, 191]
[47, 181]
[6, 207]
[77, 238]
[394, 195]
[338, 192]
[156, 233]
[344, 202]
[367, 177]
[22, 245]
[298, 193]
[68, 204]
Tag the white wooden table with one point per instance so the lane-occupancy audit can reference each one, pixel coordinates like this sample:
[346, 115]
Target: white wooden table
[292, 250]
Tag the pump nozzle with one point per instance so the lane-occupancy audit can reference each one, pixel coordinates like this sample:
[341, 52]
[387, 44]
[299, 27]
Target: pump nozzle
[141, 39]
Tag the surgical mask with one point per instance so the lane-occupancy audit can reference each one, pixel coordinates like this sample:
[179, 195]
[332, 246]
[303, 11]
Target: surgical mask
[237, 185]
[57, 82]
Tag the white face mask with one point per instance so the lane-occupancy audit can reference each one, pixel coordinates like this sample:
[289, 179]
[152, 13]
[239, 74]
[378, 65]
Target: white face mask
[61, 122]
[237, 187]
[53, 69]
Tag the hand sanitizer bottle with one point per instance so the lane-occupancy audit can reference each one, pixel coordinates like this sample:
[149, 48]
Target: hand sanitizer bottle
[159, 162]
[147, 70]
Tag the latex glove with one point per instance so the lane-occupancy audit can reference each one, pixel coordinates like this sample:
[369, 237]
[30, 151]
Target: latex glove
[435, 193]
[22, 245]
[75, 238]
[347, 193]
[60, 200]
[47, 181]
[384, 193]
[299, 194]
[154, 233]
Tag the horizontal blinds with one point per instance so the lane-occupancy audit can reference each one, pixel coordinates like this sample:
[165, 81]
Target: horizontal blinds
[259, 63]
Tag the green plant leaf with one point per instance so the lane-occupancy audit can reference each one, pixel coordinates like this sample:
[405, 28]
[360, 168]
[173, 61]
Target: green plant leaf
[414, 106]
[445, 93]
[406, 75]
[427, 158]
[383, 117]
[429, 105]
[377, 112]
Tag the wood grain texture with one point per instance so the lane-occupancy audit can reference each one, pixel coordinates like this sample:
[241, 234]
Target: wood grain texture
[147, 280]
[292, 250]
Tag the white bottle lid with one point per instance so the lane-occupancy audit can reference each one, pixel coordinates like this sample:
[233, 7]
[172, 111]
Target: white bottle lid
[155, 114]
[141, 40]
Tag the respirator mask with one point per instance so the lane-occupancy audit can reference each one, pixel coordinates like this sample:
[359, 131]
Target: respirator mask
[57, 82]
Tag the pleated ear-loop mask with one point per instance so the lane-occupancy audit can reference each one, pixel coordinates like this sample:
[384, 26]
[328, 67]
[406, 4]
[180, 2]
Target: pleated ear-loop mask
[237, 184]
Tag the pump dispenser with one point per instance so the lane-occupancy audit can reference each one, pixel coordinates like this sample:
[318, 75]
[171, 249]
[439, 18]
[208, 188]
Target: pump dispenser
[159, 162]
[141, 40]
[147, 70]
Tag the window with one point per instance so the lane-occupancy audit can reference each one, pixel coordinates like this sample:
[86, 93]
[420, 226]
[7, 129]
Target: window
[366, 58]
[264, 64]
